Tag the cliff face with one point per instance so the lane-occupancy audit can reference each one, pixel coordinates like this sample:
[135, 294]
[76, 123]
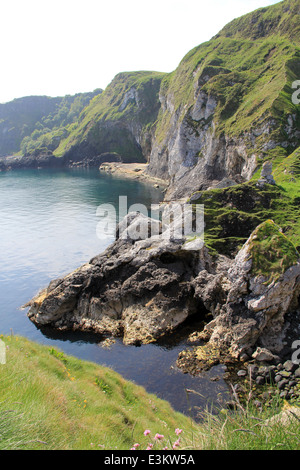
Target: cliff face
[119, 120]
[211, 123]
[224, 112]
[228, 105]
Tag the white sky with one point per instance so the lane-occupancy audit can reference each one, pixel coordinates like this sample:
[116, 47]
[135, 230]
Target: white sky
[63, 47]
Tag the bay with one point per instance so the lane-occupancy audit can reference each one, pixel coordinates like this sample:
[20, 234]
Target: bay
[48, 227]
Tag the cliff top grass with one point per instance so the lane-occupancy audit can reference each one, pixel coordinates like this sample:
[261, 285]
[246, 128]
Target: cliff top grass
[248, 68]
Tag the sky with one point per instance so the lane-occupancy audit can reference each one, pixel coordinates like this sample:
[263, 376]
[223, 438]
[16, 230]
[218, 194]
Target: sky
[61, 47]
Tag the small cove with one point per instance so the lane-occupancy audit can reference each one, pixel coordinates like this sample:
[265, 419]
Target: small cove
[48, 225]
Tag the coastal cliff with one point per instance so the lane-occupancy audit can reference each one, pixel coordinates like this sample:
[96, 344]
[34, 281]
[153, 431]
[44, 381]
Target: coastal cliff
[207, 130]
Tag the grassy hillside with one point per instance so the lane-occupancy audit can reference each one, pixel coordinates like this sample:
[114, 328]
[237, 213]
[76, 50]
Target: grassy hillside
[36, 123]
[50, 401]
[249, 68]
[53, 401]
[119, 120]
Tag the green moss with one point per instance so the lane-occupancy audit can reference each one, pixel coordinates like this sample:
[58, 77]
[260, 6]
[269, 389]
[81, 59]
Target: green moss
[231, 214]
[272, 253]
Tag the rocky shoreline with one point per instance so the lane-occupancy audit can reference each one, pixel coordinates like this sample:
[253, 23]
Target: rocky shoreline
[110, 163]
[49, 160]
[133, 171]
[144, 289]
[260, 380]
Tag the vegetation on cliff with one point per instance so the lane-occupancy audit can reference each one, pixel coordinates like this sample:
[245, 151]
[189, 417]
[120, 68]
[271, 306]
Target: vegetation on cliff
[119, 120]
[249, 68]
[39, 123]
[231, 214]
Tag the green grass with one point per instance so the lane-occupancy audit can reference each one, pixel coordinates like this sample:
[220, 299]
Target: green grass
[109, 108]
[53, 401]
[271, 251]
[248, 73]
[231, 214]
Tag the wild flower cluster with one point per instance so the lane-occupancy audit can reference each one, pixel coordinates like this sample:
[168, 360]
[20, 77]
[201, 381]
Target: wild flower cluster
[159, 441]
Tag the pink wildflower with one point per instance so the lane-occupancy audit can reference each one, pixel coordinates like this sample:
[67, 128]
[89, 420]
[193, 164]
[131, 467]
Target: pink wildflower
[176, 444]
[147, 432]
[158, 436]
[178, 431]
[136, 445]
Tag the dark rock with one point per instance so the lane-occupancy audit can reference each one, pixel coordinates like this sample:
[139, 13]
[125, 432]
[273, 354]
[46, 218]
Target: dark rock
[260, 380]
[281, 385]
[289, 366]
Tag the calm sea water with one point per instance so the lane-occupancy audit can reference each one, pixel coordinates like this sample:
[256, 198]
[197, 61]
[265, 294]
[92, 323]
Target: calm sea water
[48, 227]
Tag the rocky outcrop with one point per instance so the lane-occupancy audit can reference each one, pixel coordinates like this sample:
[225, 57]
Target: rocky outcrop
[266, 176]
[139, 289]
[39, 160]
[194, 157]
[142, 289]
[217, 124]
[249, 307]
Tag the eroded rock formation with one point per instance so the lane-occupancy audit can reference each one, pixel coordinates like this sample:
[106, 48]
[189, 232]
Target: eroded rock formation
[144, 289]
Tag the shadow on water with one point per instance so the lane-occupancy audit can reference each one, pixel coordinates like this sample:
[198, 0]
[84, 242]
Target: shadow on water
[152, 366]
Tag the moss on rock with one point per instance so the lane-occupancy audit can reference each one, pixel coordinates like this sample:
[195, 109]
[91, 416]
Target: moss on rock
[271, 251]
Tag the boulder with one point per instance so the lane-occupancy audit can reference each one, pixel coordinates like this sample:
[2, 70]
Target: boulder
[266, 176]
[139, 289]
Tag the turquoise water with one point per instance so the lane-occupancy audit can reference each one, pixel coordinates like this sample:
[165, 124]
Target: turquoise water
[48, 227]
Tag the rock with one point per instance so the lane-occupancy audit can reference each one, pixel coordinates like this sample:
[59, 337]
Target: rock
[297, 373]
[140, 289]
[282, 384]
[266, 176]
[241, 373]
[285, 417]
[263, 355]
[260, 380]
[253, 313]
[253, 371]
[145, 288]
[244, 357]
[285, 374]
[289, 366]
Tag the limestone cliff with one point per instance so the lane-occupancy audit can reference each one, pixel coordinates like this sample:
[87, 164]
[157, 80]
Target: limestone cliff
[119, 120]
[229, 105]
